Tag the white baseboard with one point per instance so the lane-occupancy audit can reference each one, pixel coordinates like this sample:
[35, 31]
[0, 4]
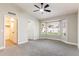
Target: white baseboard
[69, 42]
[2, 47]
[33, 39]
[22, 42]
[64, 41]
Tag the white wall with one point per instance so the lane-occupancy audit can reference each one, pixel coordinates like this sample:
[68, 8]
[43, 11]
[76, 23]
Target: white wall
[78, 28]
[71, 27]
[22, 29]
[28, 28]
[33, 29]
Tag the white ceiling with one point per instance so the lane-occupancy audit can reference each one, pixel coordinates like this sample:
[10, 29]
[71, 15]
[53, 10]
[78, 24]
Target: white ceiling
[56, 8]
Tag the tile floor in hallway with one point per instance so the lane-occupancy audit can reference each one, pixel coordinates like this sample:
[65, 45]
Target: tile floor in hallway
[9, 43]
[41, 48]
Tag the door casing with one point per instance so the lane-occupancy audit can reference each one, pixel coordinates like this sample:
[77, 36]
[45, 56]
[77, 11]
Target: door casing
[16, 18]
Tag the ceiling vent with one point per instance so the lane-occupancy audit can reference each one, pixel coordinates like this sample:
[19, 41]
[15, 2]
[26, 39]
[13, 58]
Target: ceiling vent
[11, 13]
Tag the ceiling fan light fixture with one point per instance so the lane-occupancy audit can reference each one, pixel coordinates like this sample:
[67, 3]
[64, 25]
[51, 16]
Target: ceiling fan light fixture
[41, 10]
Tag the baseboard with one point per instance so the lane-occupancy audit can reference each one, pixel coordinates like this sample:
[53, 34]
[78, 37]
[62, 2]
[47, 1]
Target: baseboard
[33, 39]
[22, 42]
[69, 42]
[2, 47]
[64, 41]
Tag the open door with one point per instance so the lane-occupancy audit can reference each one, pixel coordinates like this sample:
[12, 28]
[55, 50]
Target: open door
[10, 31]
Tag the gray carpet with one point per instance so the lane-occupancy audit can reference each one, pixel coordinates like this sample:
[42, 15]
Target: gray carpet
[41, 48]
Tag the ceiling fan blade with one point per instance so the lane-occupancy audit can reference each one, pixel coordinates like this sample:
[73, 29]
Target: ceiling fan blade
[46, 6]
[35, 10]
[47, 10]
[41, 5]
[37, 6]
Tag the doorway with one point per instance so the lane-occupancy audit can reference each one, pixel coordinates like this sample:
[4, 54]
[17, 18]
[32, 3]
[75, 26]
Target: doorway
[10, 31]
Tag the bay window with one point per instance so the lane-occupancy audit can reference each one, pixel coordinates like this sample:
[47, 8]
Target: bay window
[55, 29]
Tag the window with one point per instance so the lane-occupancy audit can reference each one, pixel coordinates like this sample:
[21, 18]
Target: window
[53, 28]
[43, 28]
[64, 27]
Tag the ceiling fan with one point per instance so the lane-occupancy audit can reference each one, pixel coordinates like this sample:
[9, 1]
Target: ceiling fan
[42, 8]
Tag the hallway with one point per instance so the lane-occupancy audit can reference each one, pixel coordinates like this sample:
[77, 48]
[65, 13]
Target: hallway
[41, 48]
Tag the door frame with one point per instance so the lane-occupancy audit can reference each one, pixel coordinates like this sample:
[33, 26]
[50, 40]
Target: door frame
[14, 16]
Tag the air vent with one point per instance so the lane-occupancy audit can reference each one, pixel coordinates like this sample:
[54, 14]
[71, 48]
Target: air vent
[11, 13]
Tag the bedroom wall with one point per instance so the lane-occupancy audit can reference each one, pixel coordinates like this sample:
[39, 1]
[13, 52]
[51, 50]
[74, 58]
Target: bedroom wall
[72, 28]
[28, 28]
[78, 28]
[33, 29]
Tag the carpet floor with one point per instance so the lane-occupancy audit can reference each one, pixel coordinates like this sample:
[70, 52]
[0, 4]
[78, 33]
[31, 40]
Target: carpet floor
[41, 48]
